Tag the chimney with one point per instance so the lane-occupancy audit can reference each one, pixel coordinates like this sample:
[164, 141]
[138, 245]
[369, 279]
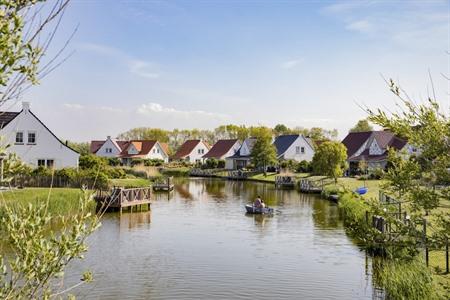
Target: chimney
[26, 106]
[108, 137]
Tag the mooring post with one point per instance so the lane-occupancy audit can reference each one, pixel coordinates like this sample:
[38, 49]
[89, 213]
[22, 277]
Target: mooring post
[446, 258]
[425, 241]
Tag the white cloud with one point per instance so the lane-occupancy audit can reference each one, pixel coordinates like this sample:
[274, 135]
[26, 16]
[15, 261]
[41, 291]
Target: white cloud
[135, 66]
[362, 26]
[73, 106]
[290, 64]
[151, 108]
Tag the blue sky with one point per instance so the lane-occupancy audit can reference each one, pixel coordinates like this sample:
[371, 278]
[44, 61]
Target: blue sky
[186, 64]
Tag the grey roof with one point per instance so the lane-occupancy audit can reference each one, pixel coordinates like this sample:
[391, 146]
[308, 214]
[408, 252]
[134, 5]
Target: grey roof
[283, 142]
[250, 143]
[6, 117]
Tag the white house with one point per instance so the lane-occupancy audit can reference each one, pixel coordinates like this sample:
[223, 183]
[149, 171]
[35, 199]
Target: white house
[33, 142]
[223, 149]
[129, 150]
[192, 151]
[294, 147]
[242, 157]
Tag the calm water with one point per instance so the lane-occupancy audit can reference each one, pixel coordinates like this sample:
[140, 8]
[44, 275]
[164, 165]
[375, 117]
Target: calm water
[199, 244]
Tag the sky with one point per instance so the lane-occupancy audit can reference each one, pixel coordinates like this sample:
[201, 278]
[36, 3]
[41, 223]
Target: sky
[201, 64]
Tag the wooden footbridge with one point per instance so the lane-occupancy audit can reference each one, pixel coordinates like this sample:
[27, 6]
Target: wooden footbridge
[119, 198]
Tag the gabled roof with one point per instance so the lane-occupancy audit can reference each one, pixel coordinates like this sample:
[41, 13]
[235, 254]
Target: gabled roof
[165, 147]
[6, 117]
[187, 148]
[250, 142]
[384, 139]
[354, 140]
[142, 146]
[283, 142]
[220, 148]
[95, 146]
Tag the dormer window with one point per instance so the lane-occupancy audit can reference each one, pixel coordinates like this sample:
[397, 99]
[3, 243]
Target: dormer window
[201, 151]
[19, 137]
[108, 150]
[32, 138]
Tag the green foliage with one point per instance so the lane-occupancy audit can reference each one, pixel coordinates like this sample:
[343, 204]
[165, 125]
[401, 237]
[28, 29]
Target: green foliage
[82, 148]
[405, 279]
[361, 126]
[304, 167]
[153, 162]
[264, 152]
[114, 161]
[401, 173]
[330, 159]
[211, 163]
[92, 161]
[281, 129]
[42, 254]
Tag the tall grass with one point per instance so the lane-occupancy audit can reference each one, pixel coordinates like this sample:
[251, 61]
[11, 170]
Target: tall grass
[62, 201]
[405, 279]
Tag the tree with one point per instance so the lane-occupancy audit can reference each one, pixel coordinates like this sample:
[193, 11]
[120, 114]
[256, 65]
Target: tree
[361, 126]
[281, 129]
[264, 152]
[401, 173]
[39, 254]
[82, 148]
[427, 131]
[330, 159]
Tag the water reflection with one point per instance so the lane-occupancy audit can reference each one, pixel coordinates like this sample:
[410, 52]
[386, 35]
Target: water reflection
[131, 220]
[201, 245]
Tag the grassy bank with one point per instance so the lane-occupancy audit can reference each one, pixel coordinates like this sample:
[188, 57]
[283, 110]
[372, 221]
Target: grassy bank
[130, 182]
[62, 201]
[270, 178]
[176, 172]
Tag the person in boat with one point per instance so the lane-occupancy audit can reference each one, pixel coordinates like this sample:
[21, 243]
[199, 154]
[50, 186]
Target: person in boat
[262, 204]
[258, 202]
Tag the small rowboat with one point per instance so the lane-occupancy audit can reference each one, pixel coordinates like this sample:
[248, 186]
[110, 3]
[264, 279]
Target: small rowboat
[361, 190]
[258, 210]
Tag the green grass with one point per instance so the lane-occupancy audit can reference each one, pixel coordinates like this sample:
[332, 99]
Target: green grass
[352, 184]
[177, 172]
[271, 177]
[130, 182]
[63, 201]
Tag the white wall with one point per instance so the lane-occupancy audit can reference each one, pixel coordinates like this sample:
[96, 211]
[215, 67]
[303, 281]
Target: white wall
[245, 150]
[111, 145]
[47, 145]
[157, 152]
[195, 156]
[291, 152]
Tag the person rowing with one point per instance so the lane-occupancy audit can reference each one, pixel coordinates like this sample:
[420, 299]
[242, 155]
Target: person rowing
[258, 202]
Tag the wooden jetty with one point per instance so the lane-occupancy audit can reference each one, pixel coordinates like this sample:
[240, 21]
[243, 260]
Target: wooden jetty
[120, 198]
[309, 186]
[165, 186]
[284, 181]
[241, 175]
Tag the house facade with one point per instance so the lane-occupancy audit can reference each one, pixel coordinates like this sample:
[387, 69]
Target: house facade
[129, 150]
[33, 142]
[192, 151]
[223, 149]
[294, 147]
[372, 147]
[242, 158]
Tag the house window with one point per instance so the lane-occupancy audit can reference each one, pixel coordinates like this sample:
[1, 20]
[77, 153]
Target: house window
[201, 151]
[19, 137]
[154, 150]
[31, 137]
[108, 150]
[302, 149]
[41, 162]
[50, 163]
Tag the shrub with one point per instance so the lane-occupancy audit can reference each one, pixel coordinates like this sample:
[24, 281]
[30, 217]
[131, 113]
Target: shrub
[136, 173]
[91, 161]
[221, 163]
[153, 162]
[211, 163]
[115, 173]
[137, 161]
[114, 161]
[304, 167]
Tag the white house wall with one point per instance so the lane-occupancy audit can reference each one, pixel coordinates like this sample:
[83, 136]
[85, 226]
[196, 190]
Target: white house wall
[245, 149]
[47, 146]
[195, 156]
[108, 144]
[291, 152]
[157, 152]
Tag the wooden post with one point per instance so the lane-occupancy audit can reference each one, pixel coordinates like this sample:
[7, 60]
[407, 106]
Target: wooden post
[446, 258]
[427, 258]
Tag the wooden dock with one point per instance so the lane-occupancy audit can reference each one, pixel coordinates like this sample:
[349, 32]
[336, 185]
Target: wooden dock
[119, 198]
[309, 186]
[241, 175]
[165, 186]
[284, 181]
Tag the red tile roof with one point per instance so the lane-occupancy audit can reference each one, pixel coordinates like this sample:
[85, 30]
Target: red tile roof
[220, 148]
[165, 147]
[187, 148]
[96, 145]
[144, 147]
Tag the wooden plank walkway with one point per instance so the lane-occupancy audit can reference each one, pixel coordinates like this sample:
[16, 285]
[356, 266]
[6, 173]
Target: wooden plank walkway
[121, 198]
[285, 181]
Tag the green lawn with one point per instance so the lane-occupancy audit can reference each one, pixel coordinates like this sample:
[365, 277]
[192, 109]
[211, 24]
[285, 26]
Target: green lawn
[130, 182]
[63, 201]
[353, 183]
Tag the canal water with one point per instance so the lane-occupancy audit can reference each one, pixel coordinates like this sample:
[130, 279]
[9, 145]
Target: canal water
[198, 243]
